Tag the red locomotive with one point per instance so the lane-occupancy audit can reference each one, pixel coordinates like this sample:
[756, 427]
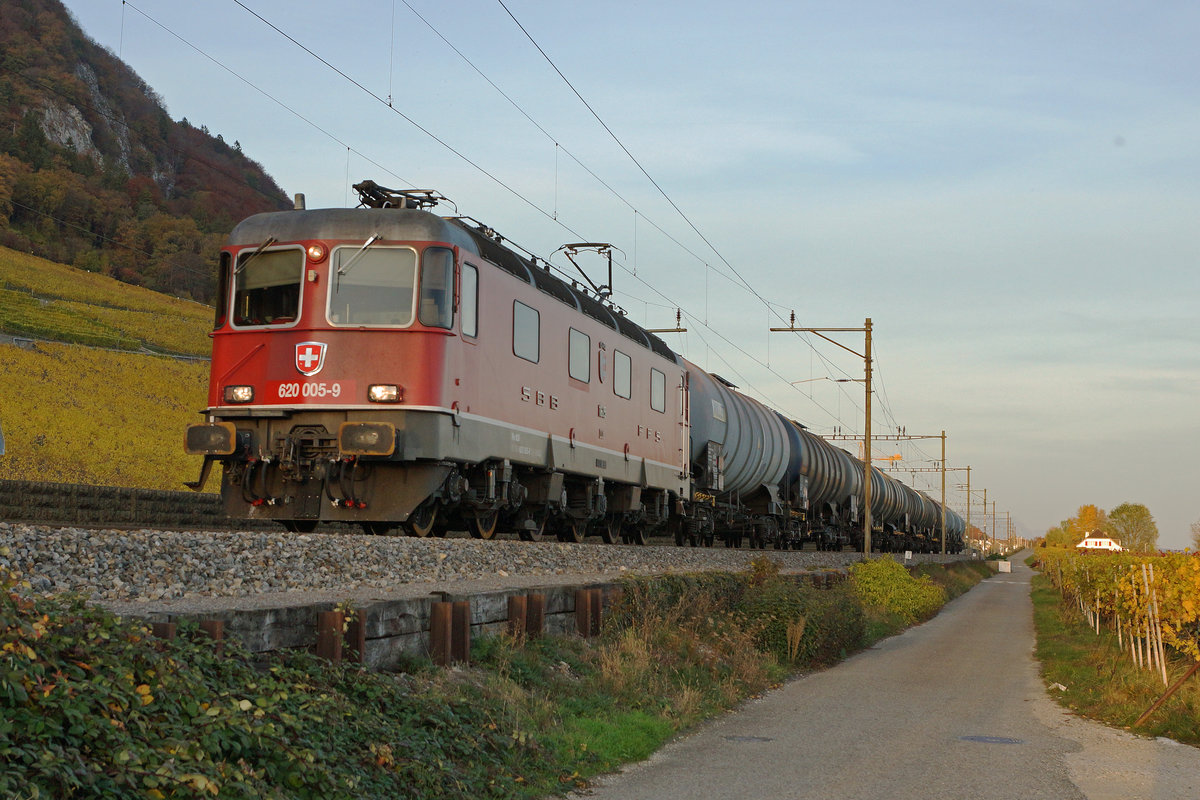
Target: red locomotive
[390, 367]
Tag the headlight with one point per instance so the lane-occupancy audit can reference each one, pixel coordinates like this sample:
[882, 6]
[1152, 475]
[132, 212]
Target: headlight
[367, 438]
[239, 394]
[210, 438]
[384, 393]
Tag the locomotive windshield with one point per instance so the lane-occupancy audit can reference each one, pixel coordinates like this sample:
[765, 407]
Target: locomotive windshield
[267, 286]
[376, 290]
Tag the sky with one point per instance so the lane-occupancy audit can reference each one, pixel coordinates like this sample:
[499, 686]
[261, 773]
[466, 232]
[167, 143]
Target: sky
[1009, 191]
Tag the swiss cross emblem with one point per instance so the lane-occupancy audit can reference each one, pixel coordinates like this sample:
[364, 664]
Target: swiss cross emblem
[310, 357]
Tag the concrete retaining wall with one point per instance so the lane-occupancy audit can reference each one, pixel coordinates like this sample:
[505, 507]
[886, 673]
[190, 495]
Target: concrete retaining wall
[399, 629]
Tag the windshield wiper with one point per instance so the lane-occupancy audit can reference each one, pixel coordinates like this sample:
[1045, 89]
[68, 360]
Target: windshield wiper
[344, 268]
[242, 265]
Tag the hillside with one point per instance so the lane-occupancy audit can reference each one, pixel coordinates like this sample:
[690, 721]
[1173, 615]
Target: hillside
[93, 171]
[97, 415]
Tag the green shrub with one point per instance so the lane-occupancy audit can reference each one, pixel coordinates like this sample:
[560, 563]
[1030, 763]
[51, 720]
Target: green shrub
[886, 585]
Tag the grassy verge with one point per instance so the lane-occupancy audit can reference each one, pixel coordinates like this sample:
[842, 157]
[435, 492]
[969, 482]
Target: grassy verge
[91, 706]
[1100, 678]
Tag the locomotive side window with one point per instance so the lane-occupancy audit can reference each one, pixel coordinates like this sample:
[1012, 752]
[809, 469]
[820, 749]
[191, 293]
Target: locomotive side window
[658, 390]
[470, 300]
[436, 308]
[622, 374]
[372, 286]
[267, 286]
[579, 356]
[527, 325]
[221, 301]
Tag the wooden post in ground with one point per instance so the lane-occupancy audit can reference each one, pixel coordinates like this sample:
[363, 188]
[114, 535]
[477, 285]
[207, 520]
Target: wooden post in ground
[460, 632]
[535, 615]
[329, 635]
[215, 629]
[439, 633]
[516, 616]
[164, 630]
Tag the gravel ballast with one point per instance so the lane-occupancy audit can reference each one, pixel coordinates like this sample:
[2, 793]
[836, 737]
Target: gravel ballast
[118, 566]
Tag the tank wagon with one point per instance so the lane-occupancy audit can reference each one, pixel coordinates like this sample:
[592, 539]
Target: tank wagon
[401, 370]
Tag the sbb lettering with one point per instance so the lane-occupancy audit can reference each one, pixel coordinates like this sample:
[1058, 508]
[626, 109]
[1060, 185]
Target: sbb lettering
[538, 397]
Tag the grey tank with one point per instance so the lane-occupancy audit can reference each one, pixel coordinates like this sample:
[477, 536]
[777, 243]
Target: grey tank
[753, 438]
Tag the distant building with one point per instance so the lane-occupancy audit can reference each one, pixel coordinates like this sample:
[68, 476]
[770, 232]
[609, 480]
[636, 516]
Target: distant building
[1099, 543]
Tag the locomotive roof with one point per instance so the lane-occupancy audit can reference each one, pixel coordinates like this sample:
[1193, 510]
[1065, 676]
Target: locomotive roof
[399, 224]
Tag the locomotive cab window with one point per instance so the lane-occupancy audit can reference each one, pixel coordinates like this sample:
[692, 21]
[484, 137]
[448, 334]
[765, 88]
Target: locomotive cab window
[372, 286]
[267, 286]
[470, 300]
[436, 308]
[579, 356]
[526, 332]
[658, 390]
[622, 374]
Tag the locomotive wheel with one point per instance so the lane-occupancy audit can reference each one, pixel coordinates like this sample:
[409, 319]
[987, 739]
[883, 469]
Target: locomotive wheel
[420, 522]
[539, 522]
[633, 534]
[376, 528]
[482, 524]
[570, 530]
[300, 525]
[608, 531]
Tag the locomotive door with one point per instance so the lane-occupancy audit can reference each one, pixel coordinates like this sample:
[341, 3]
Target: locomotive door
[685, 425]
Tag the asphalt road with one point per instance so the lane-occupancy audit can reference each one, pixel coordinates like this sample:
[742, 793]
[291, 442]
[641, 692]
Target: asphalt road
[954, 708]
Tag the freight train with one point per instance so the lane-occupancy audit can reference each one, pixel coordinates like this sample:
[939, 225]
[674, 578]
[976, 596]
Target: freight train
[402, 370]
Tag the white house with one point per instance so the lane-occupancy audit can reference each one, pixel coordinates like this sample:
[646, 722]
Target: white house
[1099, 543]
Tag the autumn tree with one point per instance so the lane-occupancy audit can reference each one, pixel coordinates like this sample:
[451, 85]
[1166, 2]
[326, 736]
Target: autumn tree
[1196, 536]
[1089, 520]
[1132, 525]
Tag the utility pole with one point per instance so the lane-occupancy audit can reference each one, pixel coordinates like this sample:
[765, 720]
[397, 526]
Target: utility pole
[970, 493]
[943, 492]
[968, 502]
[993, 526]
[866, 357]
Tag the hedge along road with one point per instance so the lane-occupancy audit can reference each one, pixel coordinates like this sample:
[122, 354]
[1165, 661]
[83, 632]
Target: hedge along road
[953, 708]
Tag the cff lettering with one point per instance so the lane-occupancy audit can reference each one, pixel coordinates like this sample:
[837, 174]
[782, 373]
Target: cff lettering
[648, 433]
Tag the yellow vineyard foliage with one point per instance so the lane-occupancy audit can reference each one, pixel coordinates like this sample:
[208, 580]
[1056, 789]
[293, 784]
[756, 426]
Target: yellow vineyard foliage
[44, 300]
[1116, 585]
[85, 415]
